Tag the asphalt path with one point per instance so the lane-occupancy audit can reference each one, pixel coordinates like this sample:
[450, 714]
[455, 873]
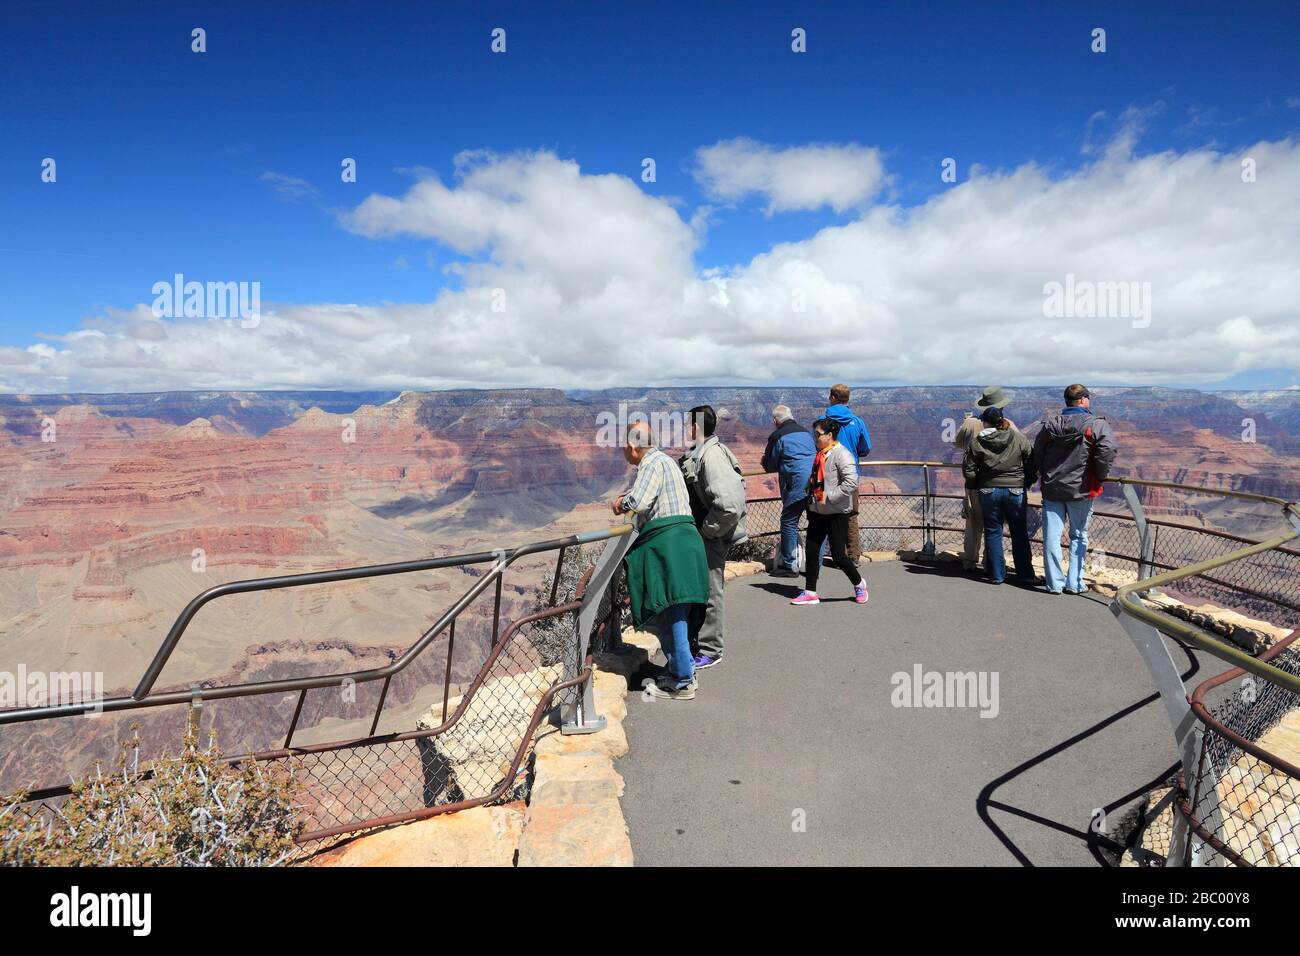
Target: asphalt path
[797, 749]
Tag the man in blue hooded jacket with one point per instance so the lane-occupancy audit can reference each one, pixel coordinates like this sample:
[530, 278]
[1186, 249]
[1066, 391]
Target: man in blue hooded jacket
[853, 436]
[790, 452]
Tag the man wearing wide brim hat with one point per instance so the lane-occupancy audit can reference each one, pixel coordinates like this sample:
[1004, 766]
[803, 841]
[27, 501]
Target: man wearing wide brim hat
[992, 397]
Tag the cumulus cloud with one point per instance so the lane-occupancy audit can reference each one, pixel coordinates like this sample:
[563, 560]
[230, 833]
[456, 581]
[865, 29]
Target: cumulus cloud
[799, 177]
[577, 280]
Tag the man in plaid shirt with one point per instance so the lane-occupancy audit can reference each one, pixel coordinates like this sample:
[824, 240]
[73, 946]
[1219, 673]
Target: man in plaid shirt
[659, 490]
[670, 569]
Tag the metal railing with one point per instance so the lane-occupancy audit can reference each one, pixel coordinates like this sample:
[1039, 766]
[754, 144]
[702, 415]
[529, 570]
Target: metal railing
[473, 754]
[1235, 801]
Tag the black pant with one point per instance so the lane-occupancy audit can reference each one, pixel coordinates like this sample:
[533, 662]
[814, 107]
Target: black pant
[821, 527]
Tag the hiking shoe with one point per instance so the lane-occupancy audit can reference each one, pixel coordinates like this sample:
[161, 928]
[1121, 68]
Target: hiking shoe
[784, 573]
[666, 691]
[806, 597]
[860, 592]
[704, 661]
[1070, 591]
[1050, 591]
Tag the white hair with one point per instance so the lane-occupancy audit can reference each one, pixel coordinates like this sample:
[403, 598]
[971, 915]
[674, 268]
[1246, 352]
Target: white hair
[782, 413]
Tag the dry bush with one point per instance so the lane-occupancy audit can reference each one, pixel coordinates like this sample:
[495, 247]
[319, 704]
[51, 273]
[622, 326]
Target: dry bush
[191, 810]
[754, 549]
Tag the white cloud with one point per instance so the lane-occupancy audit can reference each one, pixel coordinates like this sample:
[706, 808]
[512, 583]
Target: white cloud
[289, 187]
[600, 287]
[800, 177]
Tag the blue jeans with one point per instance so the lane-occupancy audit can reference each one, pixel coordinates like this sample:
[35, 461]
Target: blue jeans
[999, 505]
[1079, 512]
[790, 532]
[676, 644]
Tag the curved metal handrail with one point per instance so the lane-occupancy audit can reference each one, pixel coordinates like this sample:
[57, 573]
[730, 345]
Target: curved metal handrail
[1128, 600]
[1249, 746]
[1201, 489]
[862, 463]
[143, 696]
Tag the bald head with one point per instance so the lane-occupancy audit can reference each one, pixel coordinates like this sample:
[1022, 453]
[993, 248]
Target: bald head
[640, 439]
[641, 435]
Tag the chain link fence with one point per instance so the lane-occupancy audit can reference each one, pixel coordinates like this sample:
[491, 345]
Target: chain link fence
[903, 521]
[473, 752]
[470, 748]
[1244, 799]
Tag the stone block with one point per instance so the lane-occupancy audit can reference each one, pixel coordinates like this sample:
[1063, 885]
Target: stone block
[742, 569]
[575, 834]
[480, 836]
[610, 742]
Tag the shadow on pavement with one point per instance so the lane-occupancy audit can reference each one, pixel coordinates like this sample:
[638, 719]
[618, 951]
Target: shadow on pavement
[1095, 841]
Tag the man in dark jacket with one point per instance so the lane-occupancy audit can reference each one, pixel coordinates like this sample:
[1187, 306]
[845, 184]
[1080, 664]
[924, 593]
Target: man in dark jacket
[973, 538]
[1073, 454]
[790, 452]
[999, 463]
[855, 437]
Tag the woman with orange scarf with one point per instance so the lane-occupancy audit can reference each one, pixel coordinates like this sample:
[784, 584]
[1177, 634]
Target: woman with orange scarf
[830, 501]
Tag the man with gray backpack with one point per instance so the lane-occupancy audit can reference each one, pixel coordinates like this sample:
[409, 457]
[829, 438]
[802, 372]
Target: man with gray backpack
[717, 494]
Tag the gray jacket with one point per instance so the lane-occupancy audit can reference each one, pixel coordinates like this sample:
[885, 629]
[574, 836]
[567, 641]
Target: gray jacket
[717, 491]
[841, 480]
[1073, 454]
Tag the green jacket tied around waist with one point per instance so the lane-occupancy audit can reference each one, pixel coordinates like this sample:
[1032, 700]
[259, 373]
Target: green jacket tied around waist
[666, 566]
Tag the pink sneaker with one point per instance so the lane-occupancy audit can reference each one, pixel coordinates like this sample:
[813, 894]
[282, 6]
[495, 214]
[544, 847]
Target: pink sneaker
[860, 593]
[806, 597]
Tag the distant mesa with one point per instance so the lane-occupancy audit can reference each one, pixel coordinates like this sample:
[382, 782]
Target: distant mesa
[399, 412]
[71, 414]
[199, 429]
[316, 417]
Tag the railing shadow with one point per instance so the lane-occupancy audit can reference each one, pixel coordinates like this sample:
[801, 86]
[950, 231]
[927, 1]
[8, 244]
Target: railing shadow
[1095, 841]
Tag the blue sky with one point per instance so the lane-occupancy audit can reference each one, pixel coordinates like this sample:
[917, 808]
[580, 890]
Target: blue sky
[168, 160]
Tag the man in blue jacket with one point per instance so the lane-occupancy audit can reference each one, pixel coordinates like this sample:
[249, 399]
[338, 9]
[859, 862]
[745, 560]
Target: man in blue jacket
[790, 452]
[853, 436]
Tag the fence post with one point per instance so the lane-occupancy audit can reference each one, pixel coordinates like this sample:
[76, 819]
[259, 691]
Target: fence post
[1145, 540]
[579, 715]
[927, 515]
[1187, 731]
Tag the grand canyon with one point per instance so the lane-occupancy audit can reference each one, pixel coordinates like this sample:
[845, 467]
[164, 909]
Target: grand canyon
[118, 509]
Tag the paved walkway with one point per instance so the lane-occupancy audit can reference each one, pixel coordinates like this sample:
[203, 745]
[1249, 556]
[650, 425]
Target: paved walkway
[797, 724]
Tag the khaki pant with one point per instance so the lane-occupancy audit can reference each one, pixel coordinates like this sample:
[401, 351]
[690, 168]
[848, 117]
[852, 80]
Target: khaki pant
[709, 641]
[970, 558]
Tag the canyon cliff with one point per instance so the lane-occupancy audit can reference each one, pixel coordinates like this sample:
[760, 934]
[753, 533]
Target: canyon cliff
[118, 509]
